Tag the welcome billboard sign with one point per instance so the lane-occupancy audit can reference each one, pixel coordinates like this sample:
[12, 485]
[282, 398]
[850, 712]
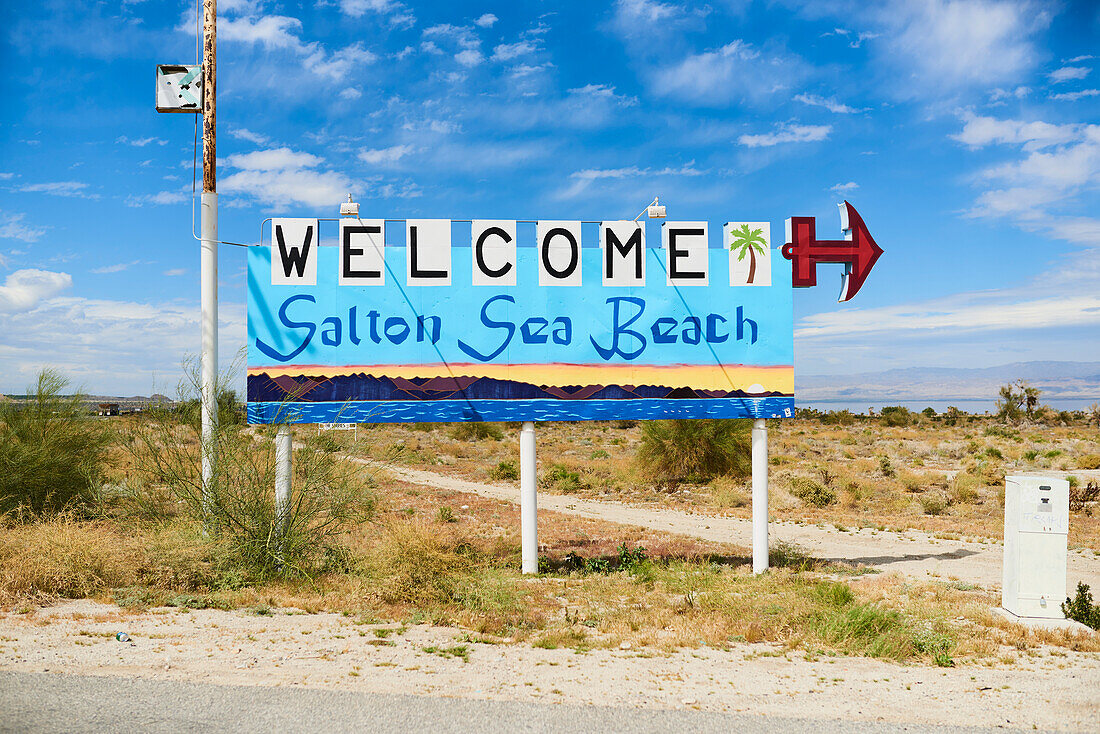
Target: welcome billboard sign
[506, 320]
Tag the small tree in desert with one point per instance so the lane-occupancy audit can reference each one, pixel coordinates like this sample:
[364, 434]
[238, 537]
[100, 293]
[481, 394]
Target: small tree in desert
[748, 242]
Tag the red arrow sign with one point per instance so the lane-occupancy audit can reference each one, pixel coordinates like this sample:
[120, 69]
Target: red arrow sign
[858, 251]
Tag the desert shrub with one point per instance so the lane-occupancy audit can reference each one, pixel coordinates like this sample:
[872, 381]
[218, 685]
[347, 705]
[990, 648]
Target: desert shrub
[51, 453]
[993, 452]
[1081, 608]
[886, 467]
[422, 565]
[1001, 432]
[1088, 461]
[599, 454]
[1031, 455]
[563, 480]
[811, 492]
[238, 506]
[675, 451]
[964, 489]
[504, 471]
[476, 431]
[624, 425]
[838, 418]
[896, 415]
[324, 441]
[1080, 498]
[934, 503]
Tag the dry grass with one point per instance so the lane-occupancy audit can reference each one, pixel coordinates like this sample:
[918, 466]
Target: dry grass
[414, 563]
[410, 567]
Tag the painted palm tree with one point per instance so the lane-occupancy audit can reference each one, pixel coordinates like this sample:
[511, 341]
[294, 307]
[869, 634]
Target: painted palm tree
[749, 243]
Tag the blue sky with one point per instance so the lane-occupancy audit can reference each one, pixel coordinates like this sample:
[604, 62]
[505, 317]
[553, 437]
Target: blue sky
[964, 131]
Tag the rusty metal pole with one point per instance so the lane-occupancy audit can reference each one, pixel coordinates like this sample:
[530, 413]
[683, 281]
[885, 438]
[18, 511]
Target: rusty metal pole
[209, 253]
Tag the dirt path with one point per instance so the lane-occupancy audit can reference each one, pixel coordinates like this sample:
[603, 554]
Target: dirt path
[1051, 689]
[912, 552]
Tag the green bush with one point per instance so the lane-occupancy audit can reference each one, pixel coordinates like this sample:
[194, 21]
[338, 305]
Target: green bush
[811, 492]
[886, 467]
[560, 478]
[324, 441]
[896, 415]
[476, 431]
[51, 451]
[505, 471]
[238, 506]
[675, 451]
[934, 503]
[1081, 608]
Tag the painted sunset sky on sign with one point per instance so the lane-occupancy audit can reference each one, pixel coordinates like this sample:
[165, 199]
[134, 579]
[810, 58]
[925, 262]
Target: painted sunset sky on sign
[964, 132]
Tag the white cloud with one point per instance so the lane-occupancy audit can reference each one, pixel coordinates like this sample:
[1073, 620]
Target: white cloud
[116, 268]
[469, 57]
[736, 72]
[5, 176]
[12, 227]
[486, 21]
[339, 65]
[938, 47]
[139, 142]
[247, 135]
[282, 177]
[582, 179]
[509, 51]
[1069, 73]
[272, 160]
[1074, 96]
[351, 93]
[273, 32]
[396, 13]
[159, 198]
[281, 33]
[829, 103]
[58, 188]
[980, 131]
[24, 289]
[999, 94]
[174, 272]
[385, 156]
[642, 18]
[108, 346]
[958, 313]
[463, 38]
[787, 133]
[843, 188]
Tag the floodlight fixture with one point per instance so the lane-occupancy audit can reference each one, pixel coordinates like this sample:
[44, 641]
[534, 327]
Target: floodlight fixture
[654, 210]
[349, 208]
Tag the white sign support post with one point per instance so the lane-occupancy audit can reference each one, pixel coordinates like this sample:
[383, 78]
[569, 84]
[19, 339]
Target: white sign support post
[284, 448]
[759, 495]
[209, 257]
[528, 499]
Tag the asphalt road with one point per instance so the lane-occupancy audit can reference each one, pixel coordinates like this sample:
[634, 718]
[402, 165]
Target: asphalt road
[45, 702]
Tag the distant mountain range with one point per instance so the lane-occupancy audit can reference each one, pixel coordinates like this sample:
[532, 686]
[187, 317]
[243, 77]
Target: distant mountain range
[1057, 380]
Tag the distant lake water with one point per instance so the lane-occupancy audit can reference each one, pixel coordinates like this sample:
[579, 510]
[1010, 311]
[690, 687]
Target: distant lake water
[976, 407]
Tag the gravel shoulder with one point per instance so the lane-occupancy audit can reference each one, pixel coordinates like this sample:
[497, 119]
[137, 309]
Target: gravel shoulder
[1053, 690]
[913, 552]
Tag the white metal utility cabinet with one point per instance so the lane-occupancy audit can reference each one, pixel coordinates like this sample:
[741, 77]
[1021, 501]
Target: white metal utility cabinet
[1036, 526]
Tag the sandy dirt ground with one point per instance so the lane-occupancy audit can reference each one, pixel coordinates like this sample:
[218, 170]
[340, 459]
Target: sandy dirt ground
[913, 552]
[1053, 690]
